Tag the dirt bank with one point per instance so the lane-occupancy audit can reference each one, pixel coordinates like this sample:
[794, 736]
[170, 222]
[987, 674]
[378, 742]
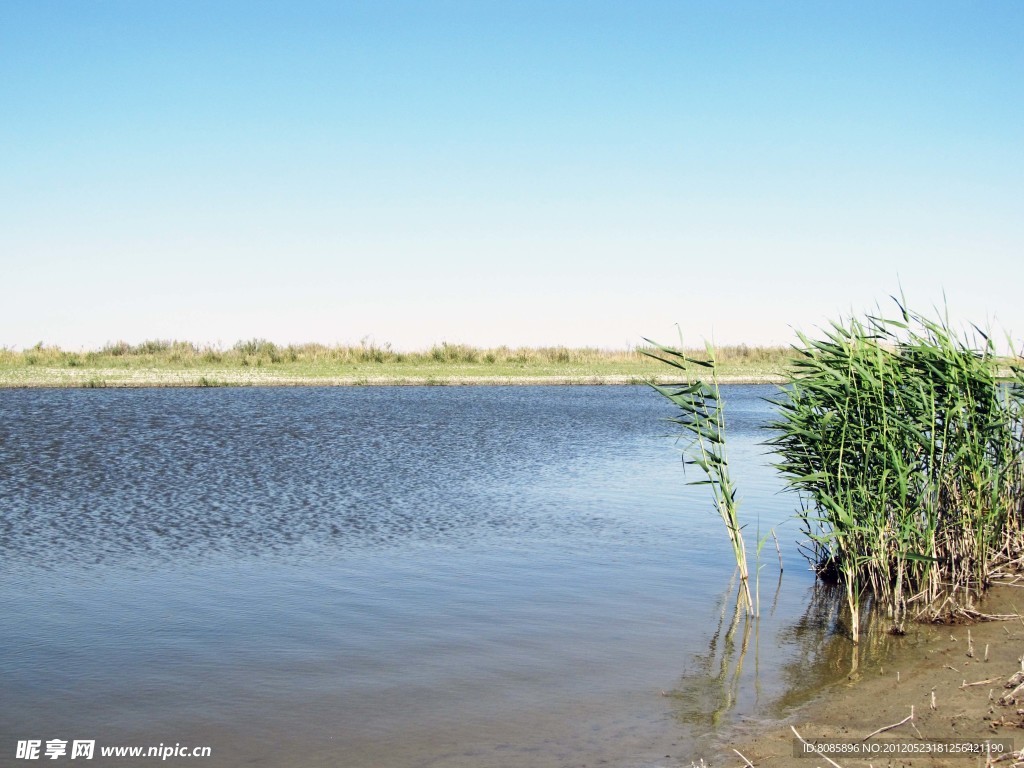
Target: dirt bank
[947, 692]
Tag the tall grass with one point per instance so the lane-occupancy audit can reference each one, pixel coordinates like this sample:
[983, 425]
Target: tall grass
[702, 415]
[263, 353]
[907, 451]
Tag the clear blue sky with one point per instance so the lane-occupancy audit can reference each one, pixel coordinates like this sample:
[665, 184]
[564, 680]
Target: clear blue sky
[503, 172]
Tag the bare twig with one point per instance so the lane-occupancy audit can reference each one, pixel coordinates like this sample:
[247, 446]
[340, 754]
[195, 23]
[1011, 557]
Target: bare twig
[815, 748]
[1013, 696]
[1020, 619]
[777, 549]
[744, 759]
[965, 684]
[1015, 756]
[914, 726]
[908, 719]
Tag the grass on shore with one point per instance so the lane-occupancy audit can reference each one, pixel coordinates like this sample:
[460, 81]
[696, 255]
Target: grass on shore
[257, 361]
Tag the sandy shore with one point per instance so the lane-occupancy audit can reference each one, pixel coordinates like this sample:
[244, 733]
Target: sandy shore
[957, 682]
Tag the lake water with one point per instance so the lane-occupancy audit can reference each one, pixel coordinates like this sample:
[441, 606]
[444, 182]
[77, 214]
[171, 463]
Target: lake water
[408, 576]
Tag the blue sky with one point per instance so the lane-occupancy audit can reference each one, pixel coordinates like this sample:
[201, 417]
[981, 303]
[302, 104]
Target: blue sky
[518, 172]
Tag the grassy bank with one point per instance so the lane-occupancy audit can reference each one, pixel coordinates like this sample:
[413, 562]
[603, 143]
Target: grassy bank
[263, 363]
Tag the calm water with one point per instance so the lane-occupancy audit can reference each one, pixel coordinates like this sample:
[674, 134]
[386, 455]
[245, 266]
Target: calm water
[465, 576]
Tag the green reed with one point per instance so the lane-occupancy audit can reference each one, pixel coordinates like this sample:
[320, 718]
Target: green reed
[702, 415]
[906, 449]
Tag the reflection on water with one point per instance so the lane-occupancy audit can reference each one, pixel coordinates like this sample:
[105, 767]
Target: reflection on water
[829, 654]
[710, 688]
[384, 576]
[715, 683]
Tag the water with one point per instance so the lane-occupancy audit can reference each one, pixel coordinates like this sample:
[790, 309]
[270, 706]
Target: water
[420, 576]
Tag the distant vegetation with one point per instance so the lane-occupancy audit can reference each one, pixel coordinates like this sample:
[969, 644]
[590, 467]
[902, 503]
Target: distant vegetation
[258, 361]
[255, 352]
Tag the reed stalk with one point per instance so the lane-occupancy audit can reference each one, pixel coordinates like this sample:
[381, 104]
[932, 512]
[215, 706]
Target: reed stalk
[702, 417]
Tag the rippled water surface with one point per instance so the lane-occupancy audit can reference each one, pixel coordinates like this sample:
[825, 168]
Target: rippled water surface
[456, 576]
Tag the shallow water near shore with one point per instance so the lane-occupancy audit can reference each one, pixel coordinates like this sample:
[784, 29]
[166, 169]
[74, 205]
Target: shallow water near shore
[409, 576]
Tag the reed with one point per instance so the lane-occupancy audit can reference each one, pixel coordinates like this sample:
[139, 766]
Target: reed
[259, 352]
[906, 450]
[702, 416]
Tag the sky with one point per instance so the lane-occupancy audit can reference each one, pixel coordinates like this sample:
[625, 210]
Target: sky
[521, 173]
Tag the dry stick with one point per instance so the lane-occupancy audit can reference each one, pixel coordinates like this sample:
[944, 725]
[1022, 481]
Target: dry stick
[970, 645]
[1013, 696]
[778, 550]
[1019, 618]
[884, 728]
[744, 759]
[1009, 584]
[979, 616]
[1008, 756]
[965, 684]
[815, 748]
[953, 668]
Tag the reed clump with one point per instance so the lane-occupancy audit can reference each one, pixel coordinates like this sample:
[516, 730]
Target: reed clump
[906, 448]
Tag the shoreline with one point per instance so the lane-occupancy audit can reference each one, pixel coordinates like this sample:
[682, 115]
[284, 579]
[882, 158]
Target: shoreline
[80, 378]
[953, 679]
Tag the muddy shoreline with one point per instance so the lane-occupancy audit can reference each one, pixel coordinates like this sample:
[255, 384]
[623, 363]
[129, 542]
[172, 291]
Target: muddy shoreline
[943, 691]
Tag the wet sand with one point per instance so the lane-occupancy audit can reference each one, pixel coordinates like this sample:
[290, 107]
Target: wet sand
[953, 682]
